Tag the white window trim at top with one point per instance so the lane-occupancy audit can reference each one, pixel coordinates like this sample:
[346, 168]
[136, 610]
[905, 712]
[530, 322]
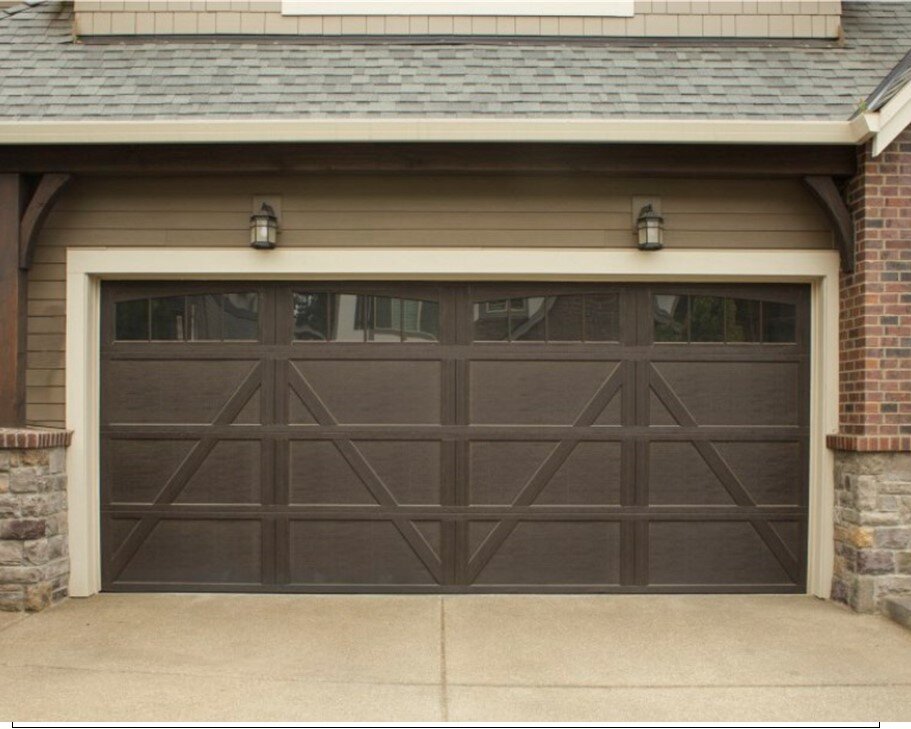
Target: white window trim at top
[585, 8]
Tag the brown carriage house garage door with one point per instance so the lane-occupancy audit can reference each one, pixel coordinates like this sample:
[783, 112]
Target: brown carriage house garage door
[454, 437]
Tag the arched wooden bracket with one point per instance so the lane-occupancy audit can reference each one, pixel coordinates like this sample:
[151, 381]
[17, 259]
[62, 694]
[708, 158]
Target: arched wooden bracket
[833, 204]
[39, 206]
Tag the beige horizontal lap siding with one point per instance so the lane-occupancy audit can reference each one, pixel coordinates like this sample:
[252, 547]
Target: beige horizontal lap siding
[672, 18]
[395, 211]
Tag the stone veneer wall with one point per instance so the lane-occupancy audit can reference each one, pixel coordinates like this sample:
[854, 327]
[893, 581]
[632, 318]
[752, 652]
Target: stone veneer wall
[34, 562]
[653, 18]
[873, 528]
[873, 459]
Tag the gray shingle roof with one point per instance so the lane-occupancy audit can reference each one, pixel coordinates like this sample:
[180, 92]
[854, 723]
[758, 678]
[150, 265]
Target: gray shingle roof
[48, 76]
[890, 85]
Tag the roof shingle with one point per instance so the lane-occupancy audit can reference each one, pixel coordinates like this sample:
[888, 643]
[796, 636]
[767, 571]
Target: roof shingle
[46, 75]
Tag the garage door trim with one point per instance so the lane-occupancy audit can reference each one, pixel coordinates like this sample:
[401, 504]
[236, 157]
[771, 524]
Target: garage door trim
[86, 268]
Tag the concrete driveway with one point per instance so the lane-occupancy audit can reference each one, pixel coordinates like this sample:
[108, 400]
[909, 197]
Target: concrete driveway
[497, 658]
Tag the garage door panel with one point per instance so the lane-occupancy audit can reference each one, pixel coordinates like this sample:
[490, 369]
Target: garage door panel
[320, 474]
[298, 412]
[230, 474]
[658, 414]
[712, 553]
[478, 532]
[172, 391]
[679, 475]
[355, 552]
[769, 471]
[591, 475]
[612, 415]
[556, 553]
[432, 533]
[499, 470]
[409, 469]
[535, 392]
[198, 551]
[792, 534]
[115, 532]
[736, 393]
[376, 391]
[140, 469]
[251, 413]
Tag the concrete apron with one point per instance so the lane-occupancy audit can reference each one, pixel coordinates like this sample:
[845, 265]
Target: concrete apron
[120, 657]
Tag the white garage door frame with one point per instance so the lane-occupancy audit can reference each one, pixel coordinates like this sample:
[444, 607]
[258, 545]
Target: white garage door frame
[88, 267]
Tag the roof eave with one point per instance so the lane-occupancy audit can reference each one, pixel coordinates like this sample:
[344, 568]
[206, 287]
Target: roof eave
[892, 119]
[475, 129]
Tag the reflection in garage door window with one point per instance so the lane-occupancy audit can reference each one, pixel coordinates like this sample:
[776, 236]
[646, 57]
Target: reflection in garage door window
[672, 315]
[132, 320]
[707, 323]
[241, 317]
[743, 320]
[204, 316]
[684, 318]
[778, 322]
[324, 317]
[168, 318]
[200, 318]
[565, 318]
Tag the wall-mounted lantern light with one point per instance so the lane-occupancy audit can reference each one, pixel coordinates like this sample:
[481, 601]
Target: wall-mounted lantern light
[263, 228]
[650, 229]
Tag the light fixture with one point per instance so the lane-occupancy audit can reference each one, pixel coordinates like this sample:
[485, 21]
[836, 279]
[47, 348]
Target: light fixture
[263, 228]
[650, 228]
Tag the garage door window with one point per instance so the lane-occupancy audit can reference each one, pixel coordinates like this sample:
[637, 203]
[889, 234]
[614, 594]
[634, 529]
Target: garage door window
[200, 318]
[569, 318]
[686, 318]
[325, 317]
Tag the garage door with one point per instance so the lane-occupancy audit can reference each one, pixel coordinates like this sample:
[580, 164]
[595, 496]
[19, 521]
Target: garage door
[454, 438]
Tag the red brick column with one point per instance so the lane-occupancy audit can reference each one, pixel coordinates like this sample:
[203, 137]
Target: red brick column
[873, 463]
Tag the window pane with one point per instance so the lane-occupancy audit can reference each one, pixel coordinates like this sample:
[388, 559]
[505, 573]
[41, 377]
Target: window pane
[707, 319]
[168, 318]
[527, 319]
[779, 322]
[564, 318]
[132, 320]
[602, 317]
[421, 320]
[311, 317]
[670, 318]
[490, 321]
[204, 316]
[241, 316]
[386, 325]
[742, 320]
[350, 317]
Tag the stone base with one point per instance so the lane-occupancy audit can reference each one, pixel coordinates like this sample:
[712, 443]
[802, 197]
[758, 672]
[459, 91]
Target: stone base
[899, 609]
[34, 561]
[872, 528]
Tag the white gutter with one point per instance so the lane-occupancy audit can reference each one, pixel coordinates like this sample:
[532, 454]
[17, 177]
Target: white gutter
[892, 119]
[685, 131]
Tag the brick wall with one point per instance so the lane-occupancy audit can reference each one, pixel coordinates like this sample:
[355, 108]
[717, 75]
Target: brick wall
[873, 459]
[875, 330]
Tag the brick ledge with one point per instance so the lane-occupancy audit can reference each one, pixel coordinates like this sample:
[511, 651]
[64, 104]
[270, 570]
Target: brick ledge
[30, 438]
[869, 443]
